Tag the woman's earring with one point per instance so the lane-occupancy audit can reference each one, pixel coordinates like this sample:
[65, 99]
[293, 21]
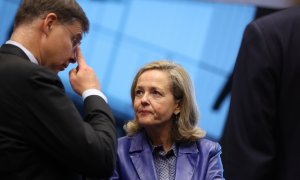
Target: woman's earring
[176, 117]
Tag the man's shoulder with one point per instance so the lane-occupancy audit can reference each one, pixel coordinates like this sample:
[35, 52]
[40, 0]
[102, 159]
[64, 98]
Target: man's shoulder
[280, 18]
[20, 68]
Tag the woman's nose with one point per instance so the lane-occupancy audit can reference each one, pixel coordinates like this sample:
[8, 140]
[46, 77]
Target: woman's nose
[145, 99]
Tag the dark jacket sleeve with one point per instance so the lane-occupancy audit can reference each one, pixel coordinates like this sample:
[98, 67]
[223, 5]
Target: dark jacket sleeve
[86, 145]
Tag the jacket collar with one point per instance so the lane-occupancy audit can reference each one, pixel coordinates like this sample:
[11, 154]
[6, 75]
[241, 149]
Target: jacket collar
[13, 50]
[139, 143]
[187, 160]
[142, 159]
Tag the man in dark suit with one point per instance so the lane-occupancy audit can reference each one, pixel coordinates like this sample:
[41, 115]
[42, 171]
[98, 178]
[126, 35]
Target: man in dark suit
[261, 137]
[42, 135]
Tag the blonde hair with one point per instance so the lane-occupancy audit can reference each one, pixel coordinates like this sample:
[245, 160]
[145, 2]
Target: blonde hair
[185, 127]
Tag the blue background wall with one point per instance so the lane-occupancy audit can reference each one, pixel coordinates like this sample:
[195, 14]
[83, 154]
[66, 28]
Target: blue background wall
[202, 36]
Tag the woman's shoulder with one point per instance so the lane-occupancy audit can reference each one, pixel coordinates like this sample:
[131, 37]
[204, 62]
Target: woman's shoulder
[127, 140]
[123, 139]
[208, 145]
[132, 144]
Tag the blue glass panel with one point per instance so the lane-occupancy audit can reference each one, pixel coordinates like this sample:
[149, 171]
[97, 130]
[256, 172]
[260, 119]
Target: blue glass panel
[202, 36]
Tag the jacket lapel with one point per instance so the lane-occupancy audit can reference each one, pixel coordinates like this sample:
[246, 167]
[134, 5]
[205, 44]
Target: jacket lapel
[141, 157]
[187, 160]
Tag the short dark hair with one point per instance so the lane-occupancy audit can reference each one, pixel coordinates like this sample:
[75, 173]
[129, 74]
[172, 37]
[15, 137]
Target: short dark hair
[66, 11]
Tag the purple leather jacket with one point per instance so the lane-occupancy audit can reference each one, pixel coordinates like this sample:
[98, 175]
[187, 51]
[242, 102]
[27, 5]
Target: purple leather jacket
[199, 160]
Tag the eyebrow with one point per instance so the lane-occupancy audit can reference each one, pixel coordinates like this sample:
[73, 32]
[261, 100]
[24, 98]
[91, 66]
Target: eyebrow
[79, 36]
[151, 88]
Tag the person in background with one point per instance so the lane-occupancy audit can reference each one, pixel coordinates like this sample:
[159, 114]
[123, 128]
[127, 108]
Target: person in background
[42, 135]
[261, 137]
[163, 141]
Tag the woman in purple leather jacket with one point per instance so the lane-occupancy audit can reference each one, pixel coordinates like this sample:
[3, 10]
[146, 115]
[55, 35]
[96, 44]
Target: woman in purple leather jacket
[163, 141]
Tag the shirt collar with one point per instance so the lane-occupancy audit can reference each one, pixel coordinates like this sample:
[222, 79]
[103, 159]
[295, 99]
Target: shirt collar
[159, 149]
[26, 51]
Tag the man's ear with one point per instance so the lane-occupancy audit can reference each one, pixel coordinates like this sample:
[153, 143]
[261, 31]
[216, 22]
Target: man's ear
[48, 22]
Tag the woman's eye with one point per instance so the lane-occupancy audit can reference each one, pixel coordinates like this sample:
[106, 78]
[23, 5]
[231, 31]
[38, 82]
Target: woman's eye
[138, 92]
[156, 93]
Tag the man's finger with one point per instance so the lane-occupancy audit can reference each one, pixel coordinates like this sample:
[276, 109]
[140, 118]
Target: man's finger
[80, 59]
[72, 72]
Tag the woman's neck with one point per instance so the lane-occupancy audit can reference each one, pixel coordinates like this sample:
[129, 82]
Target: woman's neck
[161, 137]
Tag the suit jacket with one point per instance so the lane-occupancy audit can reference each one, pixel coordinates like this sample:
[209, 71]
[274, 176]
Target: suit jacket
[261, 138]
[42, 135]
[195, 161]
